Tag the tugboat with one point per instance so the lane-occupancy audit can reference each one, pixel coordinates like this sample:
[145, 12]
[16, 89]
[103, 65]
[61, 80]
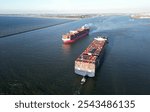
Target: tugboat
[83, 80]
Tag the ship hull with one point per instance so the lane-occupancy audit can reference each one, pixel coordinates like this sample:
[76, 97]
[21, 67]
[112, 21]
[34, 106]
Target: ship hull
[67, 41]
[84, 73]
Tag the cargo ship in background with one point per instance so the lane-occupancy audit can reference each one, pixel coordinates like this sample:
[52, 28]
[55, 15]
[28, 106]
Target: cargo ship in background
[87, 63]
[73, 36]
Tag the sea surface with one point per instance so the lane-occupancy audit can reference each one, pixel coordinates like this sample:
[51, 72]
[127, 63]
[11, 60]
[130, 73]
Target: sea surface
[34, 60]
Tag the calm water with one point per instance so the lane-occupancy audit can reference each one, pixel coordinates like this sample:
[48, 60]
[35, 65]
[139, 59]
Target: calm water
[15, 25]
[37, 62]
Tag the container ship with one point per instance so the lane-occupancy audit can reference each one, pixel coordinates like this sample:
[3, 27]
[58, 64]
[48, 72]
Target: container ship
[87, 63]
[72, 36]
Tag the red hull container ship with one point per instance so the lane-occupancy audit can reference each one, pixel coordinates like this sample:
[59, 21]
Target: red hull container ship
[87, 63]
[73, 36]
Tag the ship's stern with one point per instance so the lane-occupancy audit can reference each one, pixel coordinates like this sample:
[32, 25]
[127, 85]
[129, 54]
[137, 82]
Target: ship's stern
[85, 68]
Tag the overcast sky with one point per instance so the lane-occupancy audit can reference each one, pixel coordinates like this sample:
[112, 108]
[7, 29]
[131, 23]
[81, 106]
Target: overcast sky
[76, 6]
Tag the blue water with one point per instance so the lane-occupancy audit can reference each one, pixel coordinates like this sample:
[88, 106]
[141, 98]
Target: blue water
[14, 25]
[37, 62]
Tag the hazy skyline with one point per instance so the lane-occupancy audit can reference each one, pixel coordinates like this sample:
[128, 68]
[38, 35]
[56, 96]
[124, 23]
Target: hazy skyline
[74, 6]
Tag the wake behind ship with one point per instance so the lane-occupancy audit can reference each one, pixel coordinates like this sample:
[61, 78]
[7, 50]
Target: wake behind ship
[90, 59]
[72, 36]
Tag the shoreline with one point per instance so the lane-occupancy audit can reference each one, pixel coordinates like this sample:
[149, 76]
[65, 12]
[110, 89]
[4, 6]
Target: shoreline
[53, 16]
[140, 16]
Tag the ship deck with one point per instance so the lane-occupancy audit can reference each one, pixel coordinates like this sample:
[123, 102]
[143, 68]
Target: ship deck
[92, 52]
[75, 32]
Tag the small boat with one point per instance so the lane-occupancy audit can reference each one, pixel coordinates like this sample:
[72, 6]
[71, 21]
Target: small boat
[83, 80]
